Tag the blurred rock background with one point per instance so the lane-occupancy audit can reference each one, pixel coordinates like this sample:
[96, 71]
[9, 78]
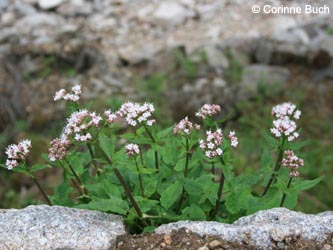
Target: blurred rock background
[177, 54]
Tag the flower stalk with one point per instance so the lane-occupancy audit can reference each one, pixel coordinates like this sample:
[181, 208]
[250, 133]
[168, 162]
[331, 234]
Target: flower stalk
[92, 155]
[276, 167]
[220, 191]
[77, 178]
[284, 194]
[125, 186]
[140, 178]
[188, 154]
[154, 141]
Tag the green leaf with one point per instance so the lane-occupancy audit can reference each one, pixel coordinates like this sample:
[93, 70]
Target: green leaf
[145, 204]
[238, 200]
[193, 212]
[165, 132]
[149, 229]
[271, 140]
[297, 145]
[266, 159]
[180, 166]
[147, 170]
[291, 200]
[128, 136]
[150, 186]
[61, 195]
[171, 194]
[20, 169]
[270, 200]
[306, 184]
[193, 187]
[37, 167]
[114, 205]
[111, 189]
[105, 144]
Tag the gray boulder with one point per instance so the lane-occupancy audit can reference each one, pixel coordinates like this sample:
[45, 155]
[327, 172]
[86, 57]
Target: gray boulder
[170, 13]
[265, 229]
[55, 227]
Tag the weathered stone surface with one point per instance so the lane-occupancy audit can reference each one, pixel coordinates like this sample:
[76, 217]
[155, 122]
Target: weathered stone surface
[170, 13]
[262, 75]
[55, 227]
[215, 57]
[264, 228]
[49, 4]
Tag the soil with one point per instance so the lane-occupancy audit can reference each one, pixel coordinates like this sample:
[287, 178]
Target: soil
[183, 239]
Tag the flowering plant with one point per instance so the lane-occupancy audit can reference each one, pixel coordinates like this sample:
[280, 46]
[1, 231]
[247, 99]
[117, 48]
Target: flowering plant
[152, 176]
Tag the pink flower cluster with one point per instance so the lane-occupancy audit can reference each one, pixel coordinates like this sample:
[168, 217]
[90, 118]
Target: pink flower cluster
[132, 149]
[59, 147]
[285, 114]
[73, 96]
[77, 128]
[212, 145]
[185, 126]
[135, 113]
[208, 110]
[110, 117]
[78, 124]
[286, 109]
[17, 152]
[233, 139]
[292, 162]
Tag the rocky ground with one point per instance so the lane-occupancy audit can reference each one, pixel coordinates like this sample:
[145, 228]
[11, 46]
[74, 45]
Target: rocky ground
[108, 45]
[184, 239]
[44, 227]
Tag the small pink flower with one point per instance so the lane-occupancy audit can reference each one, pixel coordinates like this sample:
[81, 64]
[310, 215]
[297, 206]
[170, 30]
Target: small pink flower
[233, 139]
[59, 147]
[11, 164]
[212, 145]
[132, 149]
[78, 124]
[286, 109]
[292, 162]
[73, 96]
[17, 153]
[185, 126]
[285, 125]
[208, 110]
[136, 113]
[110, 117]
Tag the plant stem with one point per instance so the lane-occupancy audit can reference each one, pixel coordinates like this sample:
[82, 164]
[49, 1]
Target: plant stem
[141, 157]
[38, 185]
[140, 178]
[125, 186]
[284, 194]
[107, 158]
[219, 195]
[91, 152]
[154, 141]
[77, 187]
[128, 192]
[41, 190]
[276, 167]
[213, 168]
[84, 190]
[182, 197]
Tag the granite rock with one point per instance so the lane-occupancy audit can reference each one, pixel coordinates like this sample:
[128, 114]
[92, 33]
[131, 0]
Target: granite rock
[55, 227]
[263, 229]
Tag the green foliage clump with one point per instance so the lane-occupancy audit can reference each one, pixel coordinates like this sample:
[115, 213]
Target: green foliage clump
[153, 175]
